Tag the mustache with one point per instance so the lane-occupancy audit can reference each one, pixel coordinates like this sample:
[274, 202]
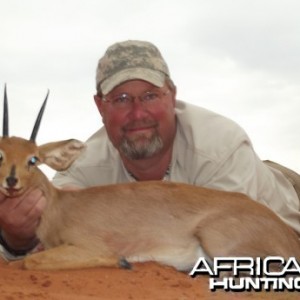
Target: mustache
[138, 124]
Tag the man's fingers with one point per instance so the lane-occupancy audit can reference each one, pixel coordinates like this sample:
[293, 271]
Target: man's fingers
[37, 207]
[18, 212]
[2, 198]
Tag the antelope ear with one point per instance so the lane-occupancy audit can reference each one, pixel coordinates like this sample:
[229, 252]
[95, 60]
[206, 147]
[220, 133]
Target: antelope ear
[60, 155]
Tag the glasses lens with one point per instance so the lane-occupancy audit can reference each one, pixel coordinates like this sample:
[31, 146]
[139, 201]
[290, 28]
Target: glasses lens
[150, 96]
[121, 100]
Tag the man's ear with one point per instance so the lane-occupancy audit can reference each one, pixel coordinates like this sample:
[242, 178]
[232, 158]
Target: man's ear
[174, 92]
[60, 155]
[99, 103]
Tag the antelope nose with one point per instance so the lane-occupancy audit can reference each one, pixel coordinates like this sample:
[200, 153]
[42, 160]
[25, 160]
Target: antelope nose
[11, 181]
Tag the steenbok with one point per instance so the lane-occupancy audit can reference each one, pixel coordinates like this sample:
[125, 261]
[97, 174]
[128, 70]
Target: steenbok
[116, 225]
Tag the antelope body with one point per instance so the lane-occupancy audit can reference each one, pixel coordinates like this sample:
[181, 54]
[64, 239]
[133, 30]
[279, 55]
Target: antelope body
[115, 225]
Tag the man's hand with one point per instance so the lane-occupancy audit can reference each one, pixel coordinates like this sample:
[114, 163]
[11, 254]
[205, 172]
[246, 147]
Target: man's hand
[19, 217]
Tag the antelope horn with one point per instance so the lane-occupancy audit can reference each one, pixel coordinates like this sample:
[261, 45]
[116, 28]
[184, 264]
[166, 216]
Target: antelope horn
[5, 114]
[38, 120]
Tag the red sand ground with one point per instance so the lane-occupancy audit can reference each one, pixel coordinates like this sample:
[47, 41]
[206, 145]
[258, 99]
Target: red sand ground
[144, 281]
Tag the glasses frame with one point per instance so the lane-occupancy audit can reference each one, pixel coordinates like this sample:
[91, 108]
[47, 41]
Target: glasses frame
[159, 92]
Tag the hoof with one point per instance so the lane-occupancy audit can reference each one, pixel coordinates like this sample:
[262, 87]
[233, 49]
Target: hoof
[124, 264]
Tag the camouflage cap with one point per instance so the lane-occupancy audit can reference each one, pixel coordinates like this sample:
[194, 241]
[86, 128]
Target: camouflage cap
[130, 60]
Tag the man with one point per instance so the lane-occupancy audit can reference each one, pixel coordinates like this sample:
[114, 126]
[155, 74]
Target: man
[149, 135]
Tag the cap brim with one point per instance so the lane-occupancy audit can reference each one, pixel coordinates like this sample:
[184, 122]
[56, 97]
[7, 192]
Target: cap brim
[156, 78]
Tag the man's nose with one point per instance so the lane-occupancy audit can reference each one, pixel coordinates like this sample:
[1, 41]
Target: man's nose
[138, 109]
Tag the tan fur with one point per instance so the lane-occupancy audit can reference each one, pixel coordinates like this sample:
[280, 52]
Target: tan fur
[161, 221]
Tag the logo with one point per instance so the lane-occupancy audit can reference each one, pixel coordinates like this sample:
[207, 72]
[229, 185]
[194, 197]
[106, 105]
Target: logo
[250, 274]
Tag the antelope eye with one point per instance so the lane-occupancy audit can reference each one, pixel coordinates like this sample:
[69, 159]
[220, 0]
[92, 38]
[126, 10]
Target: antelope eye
[33, 161]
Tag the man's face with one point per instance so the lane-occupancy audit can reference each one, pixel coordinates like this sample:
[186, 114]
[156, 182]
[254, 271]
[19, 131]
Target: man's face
[139, 118]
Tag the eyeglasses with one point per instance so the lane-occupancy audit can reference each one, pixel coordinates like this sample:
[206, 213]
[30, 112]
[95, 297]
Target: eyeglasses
[125, 101]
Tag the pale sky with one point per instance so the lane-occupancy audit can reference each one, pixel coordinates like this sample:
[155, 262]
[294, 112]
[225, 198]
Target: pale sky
[240, 58]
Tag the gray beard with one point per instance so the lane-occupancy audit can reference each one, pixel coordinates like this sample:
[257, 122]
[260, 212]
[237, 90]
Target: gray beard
[141, 147]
